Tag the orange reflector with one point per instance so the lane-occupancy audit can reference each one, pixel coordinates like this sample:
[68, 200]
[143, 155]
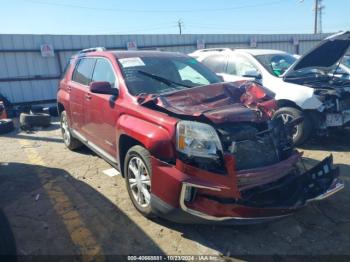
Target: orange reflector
[181, 142]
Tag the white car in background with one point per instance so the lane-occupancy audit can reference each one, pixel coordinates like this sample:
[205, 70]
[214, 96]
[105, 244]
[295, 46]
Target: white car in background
[306, 87]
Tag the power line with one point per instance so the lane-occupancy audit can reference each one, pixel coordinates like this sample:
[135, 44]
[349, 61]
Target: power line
[155, 11]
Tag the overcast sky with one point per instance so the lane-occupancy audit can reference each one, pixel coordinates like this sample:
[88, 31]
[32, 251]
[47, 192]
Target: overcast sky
[160, 17]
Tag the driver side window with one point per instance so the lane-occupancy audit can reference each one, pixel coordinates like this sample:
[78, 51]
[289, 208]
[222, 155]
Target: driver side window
[240, 66]
[104, 72]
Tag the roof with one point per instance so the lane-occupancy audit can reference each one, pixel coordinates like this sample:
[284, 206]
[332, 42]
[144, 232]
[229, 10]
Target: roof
[206, 52]
[127, 54]
[260, 51]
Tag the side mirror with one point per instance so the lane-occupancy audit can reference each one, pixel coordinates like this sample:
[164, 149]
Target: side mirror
[103, 88]
[253, 74]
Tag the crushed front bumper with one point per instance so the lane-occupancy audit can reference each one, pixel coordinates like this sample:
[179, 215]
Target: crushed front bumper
[189, 195]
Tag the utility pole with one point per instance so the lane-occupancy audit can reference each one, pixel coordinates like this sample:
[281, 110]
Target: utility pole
[180, 25]
[316, 17]
[320, 15]
[318, 10]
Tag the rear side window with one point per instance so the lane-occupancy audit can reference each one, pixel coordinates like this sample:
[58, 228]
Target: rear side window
[66, 68]
[103, 72]
[83, 71]
[216, 63]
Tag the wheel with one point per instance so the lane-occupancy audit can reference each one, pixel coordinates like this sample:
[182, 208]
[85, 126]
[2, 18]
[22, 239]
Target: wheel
[6, 126]
[302, 131]
[70, 142]
[28, 121]
[138, 173]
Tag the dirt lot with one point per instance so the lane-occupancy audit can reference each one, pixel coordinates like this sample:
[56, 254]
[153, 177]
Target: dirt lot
[61, 202]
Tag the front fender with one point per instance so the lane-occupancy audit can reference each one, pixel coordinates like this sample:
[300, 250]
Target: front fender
[155, 138]
[303, 96]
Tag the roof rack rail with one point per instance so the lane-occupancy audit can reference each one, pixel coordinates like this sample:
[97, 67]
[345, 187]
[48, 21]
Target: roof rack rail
[93, 49]
[218, 49]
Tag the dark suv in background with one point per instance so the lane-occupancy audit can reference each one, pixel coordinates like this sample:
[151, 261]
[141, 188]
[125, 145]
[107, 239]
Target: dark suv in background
[190, 148]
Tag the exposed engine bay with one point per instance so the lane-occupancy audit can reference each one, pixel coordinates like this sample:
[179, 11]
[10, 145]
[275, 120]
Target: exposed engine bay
[257, 145]
[334, 93]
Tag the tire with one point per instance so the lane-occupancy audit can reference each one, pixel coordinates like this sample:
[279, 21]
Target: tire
[28, 121]
[70, 142]
[52, 111]
[36, 109]
[6, 126]
[304, 129]
[138, 156]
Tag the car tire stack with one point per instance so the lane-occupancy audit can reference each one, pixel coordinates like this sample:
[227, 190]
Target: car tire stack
[28, 121]
[6, 126]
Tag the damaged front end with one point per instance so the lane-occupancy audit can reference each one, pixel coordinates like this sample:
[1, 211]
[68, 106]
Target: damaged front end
[234, 164]
[319, 70]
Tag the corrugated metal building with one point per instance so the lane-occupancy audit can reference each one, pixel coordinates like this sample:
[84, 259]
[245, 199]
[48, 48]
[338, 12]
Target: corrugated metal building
[27, 76]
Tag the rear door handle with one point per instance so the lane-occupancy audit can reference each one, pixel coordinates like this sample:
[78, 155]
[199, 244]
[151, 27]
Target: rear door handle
[88, 97]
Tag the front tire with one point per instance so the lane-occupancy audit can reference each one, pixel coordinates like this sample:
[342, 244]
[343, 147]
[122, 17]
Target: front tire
[138, 174]
[69, 141]
[302, 131]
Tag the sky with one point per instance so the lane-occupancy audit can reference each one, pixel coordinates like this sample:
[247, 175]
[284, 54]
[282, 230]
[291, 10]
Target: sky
[161, 17]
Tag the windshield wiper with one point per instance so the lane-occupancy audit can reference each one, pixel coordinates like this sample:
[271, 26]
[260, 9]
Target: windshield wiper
[166, 81]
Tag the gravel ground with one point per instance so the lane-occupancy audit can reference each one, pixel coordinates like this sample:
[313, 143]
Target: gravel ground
[60, 202]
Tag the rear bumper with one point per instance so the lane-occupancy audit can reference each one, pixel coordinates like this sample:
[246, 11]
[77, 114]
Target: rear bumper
[223, 203]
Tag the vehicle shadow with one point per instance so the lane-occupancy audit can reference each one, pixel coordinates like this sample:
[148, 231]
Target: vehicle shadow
[337, 140]
[52, 213]
[321, 228]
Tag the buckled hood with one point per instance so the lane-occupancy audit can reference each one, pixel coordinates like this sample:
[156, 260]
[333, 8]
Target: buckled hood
[324, 56]
[242, 101]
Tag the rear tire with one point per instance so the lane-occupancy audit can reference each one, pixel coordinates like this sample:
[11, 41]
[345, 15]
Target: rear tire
[138, 174]
[303, 130]
[70, 142]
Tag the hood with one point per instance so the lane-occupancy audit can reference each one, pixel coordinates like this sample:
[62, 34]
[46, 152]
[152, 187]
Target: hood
[242, 101]
[324, 56]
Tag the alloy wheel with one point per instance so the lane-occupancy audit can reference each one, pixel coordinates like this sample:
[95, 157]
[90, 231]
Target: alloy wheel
[139, 181]
[288, 118]
[65, 130]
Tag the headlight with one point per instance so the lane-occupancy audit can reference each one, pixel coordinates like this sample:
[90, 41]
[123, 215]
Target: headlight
[197, 140]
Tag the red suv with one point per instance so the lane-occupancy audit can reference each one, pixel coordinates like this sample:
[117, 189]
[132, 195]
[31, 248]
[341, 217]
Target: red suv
[191, 149]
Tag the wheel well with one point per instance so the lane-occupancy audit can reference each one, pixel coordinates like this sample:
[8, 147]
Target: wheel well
[288, 103]
[125, 143]
[60, 108]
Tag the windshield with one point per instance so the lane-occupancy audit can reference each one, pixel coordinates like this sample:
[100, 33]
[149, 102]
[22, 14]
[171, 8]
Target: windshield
[157, 75]
[346, 61]
[276, 64]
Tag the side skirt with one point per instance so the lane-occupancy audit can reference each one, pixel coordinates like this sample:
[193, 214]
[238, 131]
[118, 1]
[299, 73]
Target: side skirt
[100, 152]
